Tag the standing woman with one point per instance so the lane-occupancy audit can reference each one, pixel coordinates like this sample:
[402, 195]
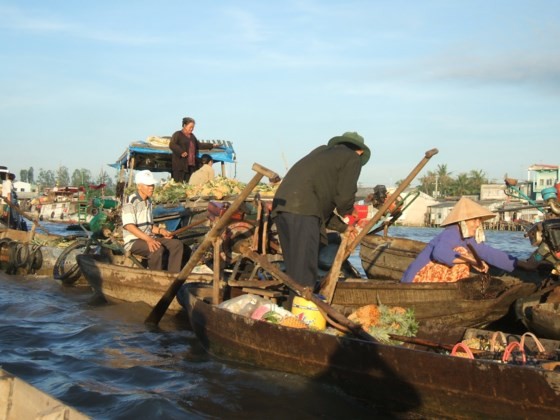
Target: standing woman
[185, 146]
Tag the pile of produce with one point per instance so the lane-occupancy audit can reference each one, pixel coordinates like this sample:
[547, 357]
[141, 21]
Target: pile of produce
[380, 321]
[218, 189]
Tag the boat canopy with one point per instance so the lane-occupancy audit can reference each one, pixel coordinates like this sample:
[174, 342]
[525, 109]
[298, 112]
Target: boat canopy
[155, 154]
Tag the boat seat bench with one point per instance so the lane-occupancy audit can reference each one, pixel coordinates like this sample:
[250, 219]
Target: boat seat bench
[137, 260]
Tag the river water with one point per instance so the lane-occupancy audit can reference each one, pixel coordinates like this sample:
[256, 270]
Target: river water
[106, 363]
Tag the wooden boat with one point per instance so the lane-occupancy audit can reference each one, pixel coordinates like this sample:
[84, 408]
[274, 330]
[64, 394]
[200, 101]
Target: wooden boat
[442, 309]
[445, 307]
[20, 400]
[118, 279]
[540, 312]
[387, 258]
[398, 379]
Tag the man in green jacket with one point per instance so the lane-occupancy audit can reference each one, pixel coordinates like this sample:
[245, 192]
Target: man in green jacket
[323, 181]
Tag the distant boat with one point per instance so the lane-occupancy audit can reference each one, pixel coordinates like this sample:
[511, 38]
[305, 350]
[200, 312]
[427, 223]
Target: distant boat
[42, 256]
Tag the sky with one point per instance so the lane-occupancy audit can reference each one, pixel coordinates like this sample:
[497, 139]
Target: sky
[478, 80]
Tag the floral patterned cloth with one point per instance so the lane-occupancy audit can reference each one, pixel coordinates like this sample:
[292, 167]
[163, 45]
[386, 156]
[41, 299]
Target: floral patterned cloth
[441, 250]
[435, 272]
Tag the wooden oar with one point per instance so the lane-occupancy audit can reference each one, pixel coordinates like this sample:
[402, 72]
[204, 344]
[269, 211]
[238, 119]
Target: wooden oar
[307, 293]
[189, 226]
[328, 284]
[429, 343]
[161, 307]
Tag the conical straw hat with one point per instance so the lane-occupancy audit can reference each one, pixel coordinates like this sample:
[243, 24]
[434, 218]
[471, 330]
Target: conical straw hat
[466, 209]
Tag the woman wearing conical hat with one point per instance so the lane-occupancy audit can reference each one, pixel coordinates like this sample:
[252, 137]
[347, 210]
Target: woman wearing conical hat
[447, 258]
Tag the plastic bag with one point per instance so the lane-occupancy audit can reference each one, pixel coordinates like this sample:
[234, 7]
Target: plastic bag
[243, 305]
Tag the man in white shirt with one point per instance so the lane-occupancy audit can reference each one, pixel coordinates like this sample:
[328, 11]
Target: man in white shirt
[139, 231]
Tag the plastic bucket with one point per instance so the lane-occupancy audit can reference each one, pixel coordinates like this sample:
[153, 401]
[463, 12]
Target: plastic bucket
[548, 193]
[310, 313]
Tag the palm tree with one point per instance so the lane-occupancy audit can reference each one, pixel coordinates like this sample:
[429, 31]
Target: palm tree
[444, 179]
[428, 183]
[477, 179]
[461, 185]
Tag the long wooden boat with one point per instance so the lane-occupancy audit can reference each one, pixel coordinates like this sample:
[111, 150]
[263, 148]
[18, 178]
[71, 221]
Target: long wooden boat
[120, 280]
[539, 314]
[442, 309]
[20, 400]
[398, 379]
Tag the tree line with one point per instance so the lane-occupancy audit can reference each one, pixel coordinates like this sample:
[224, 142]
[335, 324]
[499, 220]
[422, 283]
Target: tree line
[47, 178]
[441, 183]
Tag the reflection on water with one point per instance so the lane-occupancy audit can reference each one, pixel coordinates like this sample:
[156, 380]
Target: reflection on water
[106, 363]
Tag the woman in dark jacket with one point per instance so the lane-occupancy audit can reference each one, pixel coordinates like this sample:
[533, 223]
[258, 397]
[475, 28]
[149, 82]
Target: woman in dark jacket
[323, 181]
[185, 147]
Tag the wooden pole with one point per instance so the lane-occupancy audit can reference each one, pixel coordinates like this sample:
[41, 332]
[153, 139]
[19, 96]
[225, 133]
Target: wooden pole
[22, 213]
[328, 285]
[332, 277]
[161, 307]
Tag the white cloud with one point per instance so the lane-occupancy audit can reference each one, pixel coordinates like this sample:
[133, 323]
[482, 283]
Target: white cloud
[40, 22]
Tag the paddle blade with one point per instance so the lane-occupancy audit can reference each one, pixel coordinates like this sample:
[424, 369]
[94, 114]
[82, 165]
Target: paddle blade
[161, 307]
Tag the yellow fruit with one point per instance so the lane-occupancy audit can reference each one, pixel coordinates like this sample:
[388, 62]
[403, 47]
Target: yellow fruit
[293, 322]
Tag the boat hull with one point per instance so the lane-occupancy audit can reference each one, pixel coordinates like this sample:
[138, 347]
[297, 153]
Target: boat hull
[542, 318]
[400, 380]
[129, 284]
[442, 309]
[387, 258]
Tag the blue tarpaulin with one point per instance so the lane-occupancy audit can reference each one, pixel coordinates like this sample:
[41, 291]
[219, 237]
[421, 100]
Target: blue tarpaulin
[143, 155]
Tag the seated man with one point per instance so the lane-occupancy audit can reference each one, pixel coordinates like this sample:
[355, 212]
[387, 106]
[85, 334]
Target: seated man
[139, 230]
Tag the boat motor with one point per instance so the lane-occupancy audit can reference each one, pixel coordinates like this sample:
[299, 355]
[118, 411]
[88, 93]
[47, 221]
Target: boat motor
[546, 236]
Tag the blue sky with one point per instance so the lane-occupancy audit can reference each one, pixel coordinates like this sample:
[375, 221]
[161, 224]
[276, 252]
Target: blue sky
[479, 80]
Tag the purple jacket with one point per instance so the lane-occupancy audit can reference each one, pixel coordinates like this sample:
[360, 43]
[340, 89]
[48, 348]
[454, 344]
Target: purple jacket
[441, 250]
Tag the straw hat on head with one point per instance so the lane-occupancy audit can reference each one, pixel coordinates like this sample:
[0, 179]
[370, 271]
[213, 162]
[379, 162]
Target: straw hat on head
[466, 209]
[354, 138]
